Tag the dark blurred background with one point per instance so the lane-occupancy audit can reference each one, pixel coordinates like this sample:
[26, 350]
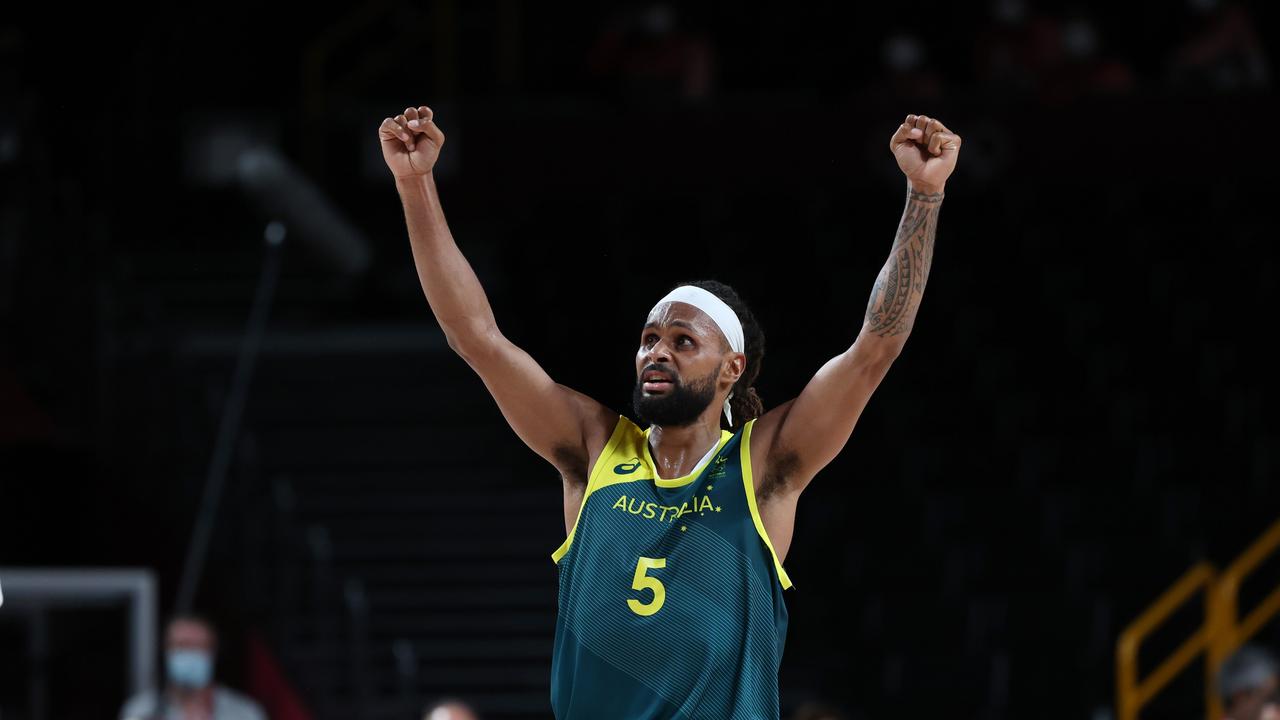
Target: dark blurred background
[1085, 407]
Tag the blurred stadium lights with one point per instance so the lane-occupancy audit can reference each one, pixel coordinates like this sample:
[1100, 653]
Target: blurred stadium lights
[243, 151]
[214, 141]
[284, 192]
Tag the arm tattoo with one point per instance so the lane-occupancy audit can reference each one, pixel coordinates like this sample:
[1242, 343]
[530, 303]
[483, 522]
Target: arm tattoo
[900, 285]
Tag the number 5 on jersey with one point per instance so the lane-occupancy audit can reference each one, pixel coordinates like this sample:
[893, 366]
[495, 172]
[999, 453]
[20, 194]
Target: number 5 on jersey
[642, 581]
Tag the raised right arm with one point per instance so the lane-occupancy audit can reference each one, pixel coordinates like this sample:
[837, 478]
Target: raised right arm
[563, 426]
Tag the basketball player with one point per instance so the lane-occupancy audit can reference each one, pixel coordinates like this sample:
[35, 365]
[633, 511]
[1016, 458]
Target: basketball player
[671, 574]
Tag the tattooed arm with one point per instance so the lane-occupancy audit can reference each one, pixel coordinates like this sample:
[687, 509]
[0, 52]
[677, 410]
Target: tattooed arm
[795, 440]
[891, 311]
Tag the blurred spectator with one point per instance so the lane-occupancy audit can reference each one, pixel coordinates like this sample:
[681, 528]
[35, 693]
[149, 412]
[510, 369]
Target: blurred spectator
[450, 709]
[907, 70]
[1058, 59]
[191, 692]
[1084, 70]
[1249, 684]
[1017, 48]
[646, 53]
[816, 711]
[1225, 51]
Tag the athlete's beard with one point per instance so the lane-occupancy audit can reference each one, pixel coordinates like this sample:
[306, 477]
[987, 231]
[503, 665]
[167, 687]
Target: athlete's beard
[680, 405]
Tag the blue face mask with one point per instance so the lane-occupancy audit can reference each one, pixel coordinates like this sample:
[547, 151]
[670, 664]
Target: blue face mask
[190, 669]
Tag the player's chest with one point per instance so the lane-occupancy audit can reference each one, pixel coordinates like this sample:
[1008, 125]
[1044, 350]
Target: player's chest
[642, 509]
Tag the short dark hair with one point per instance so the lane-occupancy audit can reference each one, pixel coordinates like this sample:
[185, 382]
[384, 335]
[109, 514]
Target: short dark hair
[1247, 669]
[194, 617]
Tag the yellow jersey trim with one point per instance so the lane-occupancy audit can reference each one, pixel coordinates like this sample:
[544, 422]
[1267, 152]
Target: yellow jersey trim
[592, 484]
[725, 436]
[748, 481]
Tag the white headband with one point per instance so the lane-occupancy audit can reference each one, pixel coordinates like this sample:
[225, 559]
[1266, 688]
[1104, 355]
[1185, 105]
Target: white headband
[723, 315]
[719, 312]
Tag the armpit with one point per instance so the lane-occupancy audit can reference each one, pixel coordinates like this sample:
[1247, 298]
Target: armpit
[780, 471]
[572, 464]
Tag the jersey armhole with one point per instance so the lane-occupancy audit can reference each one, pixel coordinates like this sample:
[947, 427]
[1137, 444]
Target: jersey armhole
[605, 453]
[749, 481]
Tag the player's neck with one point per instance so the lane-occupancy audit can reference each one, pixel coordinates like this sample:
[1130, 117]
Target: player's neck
[677, 450]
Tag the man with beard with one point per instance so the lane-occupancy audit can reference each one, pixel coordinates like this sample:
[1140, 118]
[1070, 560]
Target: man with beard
[671, 575]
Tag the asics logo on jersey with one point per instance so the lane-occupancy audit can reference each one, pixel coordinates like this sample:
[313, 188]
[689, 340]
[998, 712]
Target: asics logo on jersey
[627, 468]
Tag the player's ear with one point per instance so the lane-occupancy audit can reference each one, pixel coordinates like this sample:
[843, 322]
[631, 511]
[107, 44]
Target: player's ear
[735, 365]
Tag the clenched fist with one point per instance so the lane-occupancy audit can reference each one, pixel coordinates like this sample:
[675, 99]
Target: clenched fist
[411, 142]
[926, 152]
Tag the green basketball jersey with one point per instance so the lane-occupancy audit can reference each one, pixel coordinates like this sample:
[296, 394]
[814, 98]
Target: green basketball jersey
[670, 601]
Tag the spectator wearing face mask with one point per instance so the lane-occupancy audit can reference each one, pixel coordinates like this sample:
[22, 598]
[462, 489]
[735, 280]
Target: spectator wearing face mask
[190, 692]
[1249, 684]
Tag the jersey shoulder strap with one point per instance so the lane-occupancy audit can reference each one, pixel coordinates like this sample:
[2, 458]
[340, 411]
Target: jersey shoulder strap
[621, 453]
[749, 485]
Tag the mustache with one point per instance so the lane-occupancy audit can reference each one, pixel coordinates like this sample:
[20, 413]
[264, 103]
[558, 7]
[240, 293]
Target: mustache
[675, 377]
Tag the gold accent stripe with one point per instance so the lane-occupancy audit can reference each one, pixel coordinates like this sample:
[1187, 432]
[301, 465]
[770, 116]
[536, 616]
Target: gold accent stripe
[749, 483]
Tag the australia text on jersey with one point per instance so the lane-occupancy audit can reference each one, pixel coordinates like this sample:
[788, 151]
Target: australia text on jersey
[650, 510]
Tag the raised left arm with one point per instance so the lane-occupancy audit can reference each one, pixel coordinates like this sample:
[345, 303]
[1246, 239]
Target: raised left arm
[803, 435]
